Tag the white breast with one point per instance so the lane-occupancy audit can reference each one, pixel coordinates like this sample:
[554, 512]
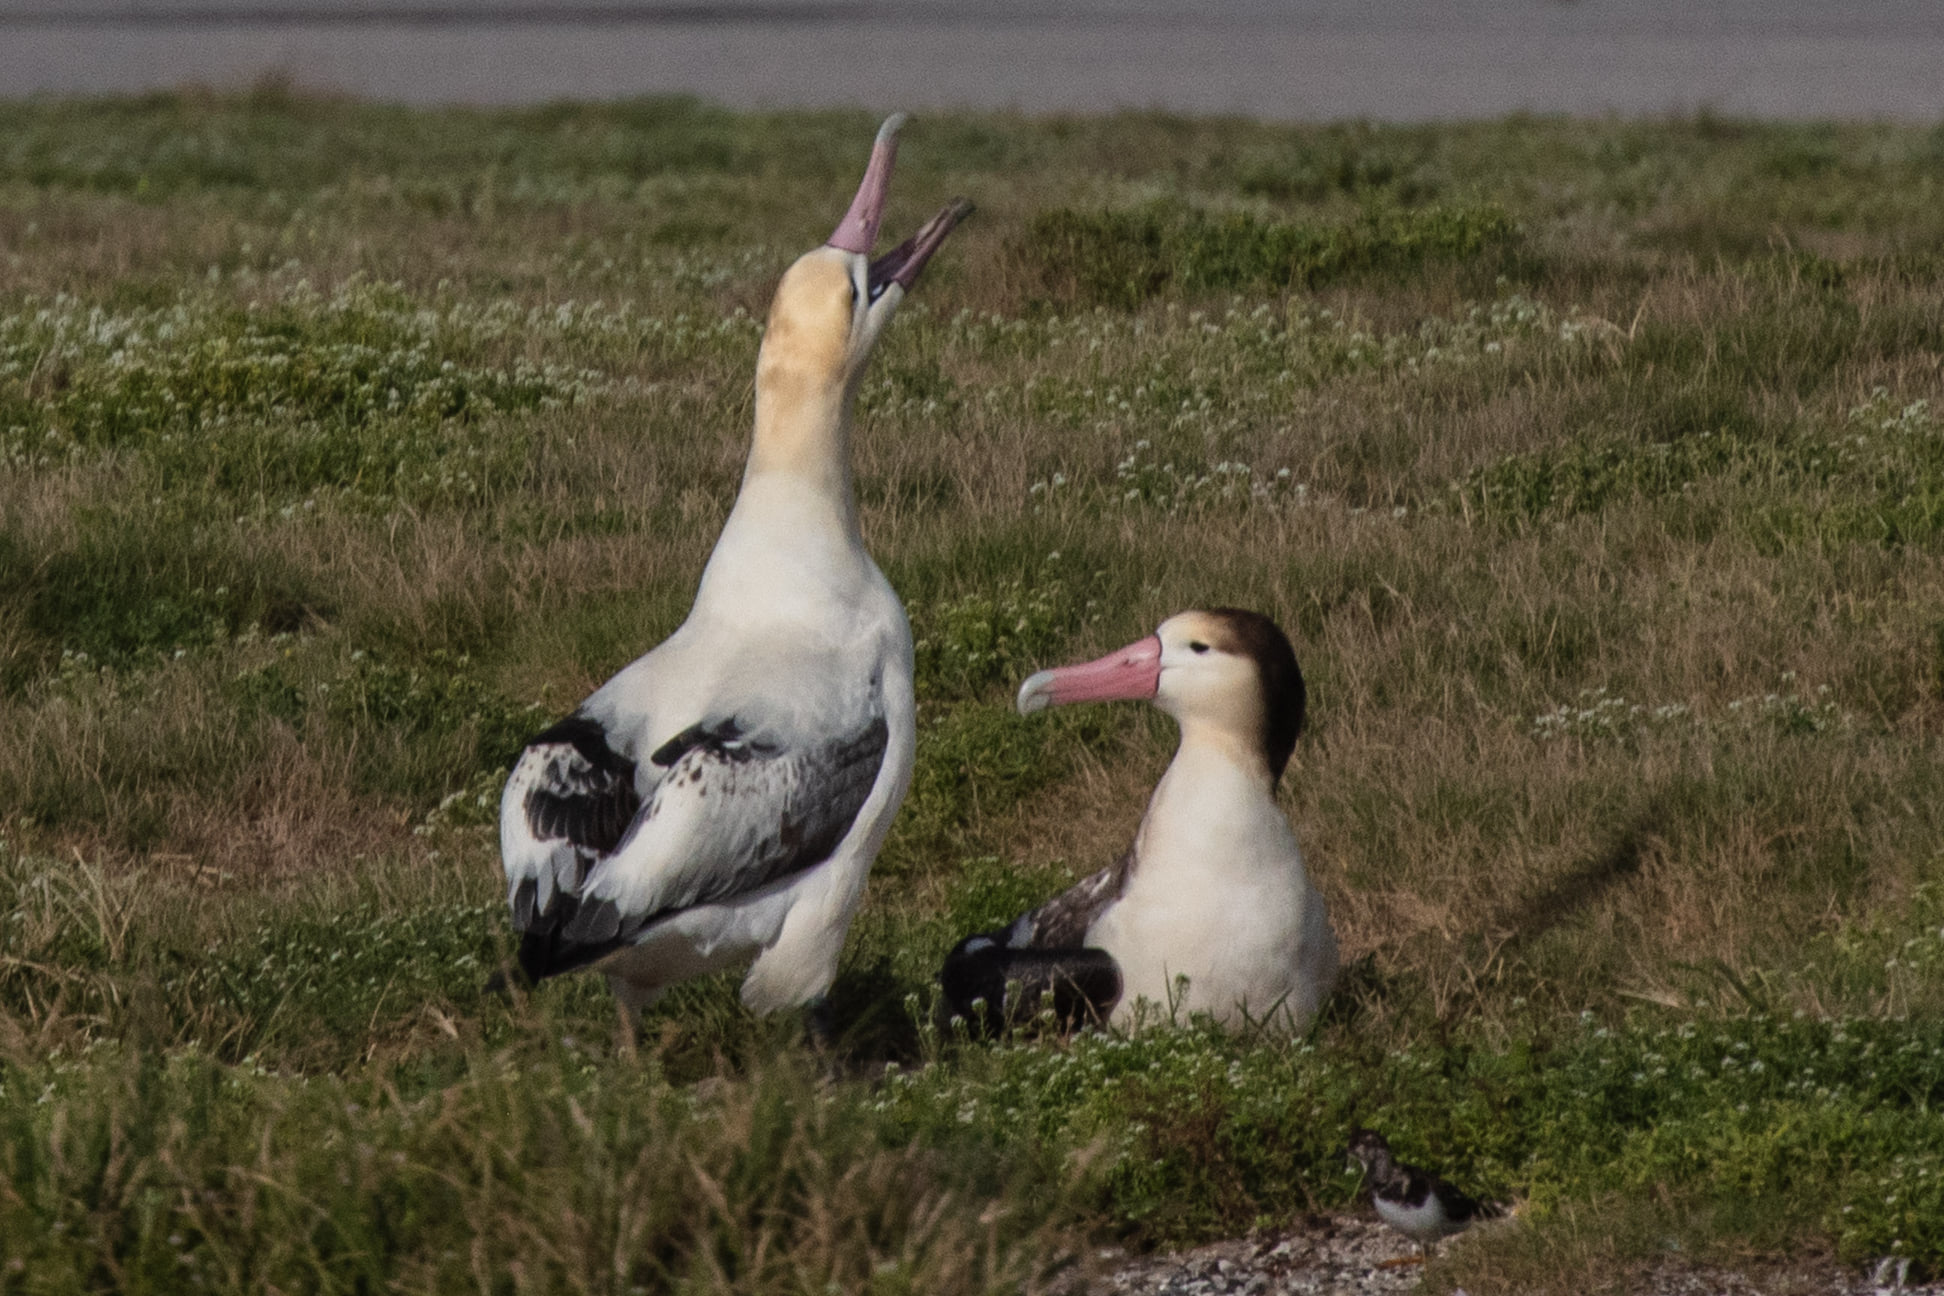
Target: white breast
[1218, 896]
[808, 638]
[1424, 1223]
[790, 612]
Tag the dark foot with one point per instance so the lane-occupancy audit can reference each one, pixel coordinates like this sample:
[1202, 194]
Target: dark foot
[505, 981]
[820, 1025]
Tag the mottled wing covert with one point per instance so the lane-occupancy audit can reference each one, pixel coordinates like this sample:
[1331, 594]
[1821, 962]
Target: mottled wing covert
[737, 807]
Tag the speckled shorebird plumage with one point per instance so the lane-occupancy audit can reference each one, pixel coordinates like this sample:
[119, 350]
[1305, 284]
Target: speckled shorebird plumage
[1415, 1202]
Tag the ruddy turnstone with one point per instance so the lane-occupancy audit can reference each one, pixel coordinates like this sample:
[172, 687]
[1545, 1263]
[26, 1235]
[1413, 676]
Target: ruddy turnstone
[1415, 1202]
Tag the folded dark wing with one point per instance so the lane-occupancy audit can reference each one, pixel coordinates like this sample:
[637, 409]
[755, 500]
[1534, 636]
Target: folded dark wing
[568, 802]
[995, 979]
[1065, 919]
[737, 807]
[1459, 1207]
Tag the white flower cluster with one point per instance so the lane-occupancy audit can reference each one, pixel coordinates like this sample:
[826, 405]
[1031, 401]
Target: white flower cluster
[1190, 378]
[473, 807]
[1143, 479]
[1881, 413]
[1477, 329]
[1598, 715]
[1486, 330]
[1140, 480]
[297, 376]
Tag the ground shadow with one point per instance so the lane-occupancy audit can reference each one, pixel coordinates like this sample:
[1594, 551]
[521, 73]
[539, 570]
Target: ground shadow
[1580, 887]
[871, 1023]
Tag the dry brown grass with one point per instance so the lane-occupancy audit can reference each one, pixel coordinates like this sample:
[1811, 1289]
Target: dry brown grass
[1528, 505]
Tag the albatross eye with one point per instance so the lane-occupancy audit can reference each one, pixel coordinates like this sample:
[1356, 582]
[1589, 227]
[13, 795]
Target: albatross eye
[1196, 645]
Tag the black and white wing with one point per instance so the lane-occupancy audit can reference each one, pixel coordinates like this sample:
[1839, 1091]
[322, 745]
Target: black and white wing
[568, 802]
[994, 978]
[737, 806]
[1424, 1207]
[1064, 920]
[1457, 1207]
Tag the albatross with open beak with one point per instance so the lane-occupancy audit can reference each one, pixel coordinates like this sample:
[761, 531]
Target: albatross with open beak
[1211, 911]
[721, 799]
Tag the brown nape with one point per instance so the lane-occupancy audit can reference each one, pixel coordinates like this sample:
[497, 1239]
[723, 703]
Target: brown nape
[1284, 698]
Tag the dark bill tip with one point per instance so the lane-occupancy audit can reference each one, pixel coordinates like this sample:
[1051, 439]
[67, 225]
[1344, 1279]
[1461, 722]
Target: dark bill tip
[903, 263]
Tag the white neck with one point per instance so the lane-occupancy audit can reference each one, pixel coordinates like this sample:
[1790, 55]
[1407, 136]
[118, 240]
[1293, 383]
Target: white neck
[1214, 809]
[803, 435]
[1218, 895]
[793, 534]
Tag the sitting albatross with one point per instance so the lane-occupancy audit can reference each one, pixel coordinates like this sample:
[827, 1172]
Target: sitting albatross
[721, 799]
[1214, 889]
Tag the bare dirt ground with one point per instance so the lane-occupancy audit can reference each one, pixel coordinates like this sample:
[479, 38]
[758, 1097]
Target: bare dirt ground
[1345, 1255]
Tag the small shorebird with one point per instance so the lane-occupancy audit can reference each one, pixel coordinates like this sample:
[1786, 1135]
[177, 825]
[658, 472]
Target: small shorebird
[1415, 1202]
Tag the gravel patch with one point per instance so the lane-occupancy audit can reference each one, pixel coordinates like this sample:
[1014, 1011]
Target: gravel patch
[1344, 1256]
[1336, 1255]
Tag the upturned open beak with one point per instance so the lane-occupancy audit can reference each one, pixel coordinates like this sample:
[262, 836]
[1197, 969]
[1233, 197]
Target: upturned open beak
[1133, 672]
[902, 263]
[858, 231]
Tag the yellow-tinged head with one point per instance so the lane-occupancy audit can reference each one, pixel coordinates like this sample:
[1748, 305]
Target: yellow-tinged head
[832, 305]
[811, 343]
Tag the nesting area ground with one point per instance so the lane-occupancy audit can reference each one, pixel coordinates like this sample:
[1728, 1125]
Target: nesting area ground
[1595, 469]
[1356, 1256]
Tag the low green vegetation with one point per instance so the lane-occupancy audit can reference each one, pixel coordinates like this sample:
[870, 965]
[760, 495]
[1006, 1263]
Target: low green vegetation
[1123, 258]
[1594, 469]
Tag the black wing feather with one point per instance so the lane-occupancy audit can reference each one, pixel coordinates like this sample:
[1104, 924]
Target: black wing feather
[726, 739]
[815, 795]
[994, 988]
[1458, 1206]
[571, 934]
[1063, 921]
[586, 791]
[996, 979]
[580, 800]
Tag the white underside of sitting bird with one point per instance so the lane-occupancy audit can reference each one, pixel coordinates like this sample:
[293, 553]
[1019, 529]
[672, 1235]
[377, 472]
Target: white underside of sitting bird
[1218, 896]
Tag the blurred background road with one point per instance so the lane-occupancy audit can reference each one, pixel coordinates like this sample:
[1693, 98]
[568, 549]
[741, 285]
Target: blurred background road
[1307, 59]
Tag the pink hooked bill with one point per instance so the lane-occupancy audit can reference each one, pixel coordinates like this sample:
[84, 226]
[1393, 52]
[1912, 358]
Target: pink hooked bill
[858, 231]
[1133, 672]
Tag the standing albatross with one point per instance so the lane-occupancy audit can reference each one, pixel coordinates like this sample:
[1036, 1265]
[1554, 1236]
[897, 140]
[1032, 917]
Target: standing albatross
[721, 798]
[1212, 910]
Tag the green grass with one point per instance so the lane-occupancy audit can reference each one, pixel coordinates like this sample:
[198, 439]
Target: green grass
[1594, 468]
[1124, 258]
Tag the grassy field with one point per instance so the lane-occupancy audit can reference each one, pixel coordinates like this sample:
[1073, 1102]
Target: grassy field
[1596, 470]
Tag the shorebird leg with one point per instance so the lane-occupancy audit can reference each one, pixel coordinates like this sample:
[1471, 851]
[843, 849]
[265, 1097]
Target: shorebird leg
[1404, 1262]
